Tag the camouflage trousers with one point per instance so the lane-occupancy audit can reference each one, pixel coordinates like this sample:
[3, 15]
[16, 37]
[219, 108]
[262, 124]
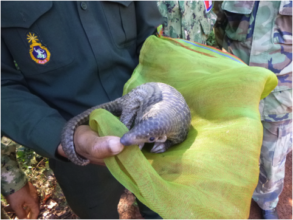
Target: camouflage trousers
[277, 143]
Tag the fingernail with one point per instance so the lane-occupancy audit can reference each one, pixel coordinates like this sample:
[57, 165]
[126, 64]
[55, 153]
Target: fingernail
[116, 149]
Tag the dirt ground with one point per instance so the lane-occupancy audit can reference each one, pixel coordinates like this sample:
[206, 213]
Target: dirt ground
[284, 207]
[54, 205]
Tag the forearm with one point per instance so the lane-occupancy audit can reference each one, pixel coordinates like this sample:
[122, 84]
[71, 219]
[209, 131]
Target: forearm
[30, 122]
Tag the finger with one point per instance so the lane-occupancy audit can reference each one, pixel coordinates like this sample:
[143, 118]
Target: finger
[27, 210]
[115, 145]
[106, 147]
[32, 208]
[89, 145]
[34, 211]
[20, 212]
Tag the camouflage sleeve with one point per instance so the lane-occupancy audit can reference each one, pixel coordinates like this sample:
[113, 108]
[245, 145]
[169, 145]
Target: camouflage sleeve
[12, 177]
[189, 20]
[221, 22]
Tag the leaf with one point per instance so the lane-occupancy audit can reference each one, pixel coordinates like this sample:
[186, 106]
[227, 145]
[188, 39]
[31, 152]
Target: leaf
[20, 154]
[33, 161]
[47, 165]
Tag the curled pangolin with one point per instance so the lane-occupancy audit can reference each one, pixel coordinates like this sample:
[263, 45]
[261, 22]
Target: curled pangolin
[154, 112]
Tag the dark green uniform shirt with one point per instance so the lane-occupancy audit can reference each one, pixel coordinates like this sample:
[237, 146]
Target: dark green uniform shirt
[71, 56]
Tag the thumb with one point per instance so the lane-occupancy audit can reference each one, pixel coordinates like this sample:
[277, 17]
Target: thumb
[115, 145]
[107, 146]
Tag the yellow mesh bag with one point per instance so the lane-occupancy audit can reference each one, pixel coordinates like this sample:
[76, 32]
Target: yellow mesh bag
[214, 172]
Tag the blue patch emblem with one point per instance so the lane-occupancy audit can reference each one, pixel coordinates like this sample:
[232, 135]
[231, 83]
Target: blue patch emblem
[39, 53]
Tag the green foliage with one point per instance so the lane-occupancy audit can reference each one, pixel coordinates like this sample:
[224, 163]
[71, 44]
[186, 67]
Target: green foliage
[3, 200]
[32, 163]
[27, 158]
[211, 41]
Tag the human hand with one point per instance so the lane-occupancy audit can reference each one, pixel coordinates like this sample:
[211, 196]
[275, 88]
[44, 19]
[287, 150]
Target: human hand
[25, 202]
[89, 145]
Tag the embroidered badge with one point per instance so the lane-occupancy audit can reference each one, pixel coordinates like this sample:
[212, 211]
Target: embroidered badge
[39, 53]
[208, 5]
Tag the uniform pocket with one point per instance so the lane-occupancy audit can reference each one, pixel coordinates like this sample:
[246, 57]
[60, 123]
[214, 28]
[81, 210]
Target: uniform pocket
[36, 36]
[284, 144]
[206, 26]
[284, 98]
[238, 18]
[278, 105]
[121, 20]
[282, 33]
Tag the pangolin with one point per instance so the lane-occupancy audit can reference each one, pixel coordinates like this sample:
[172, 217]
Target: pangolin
[153, 112]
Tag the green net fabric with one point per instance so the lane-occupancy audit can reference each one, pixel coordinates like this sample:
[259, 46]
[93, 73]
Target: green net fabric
[214, 172]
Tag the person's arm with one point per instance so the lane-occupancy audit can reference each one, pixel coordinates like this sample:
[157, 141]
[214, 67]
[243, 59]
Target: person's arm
[87, 143]
[12, 177]
[31, 122]
[25, 202]
[19, 193]
[26, 118]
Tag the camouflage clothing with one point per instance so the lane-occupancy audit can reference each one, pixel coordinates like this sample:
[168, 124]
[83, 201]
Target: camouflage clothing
[277, 142]
[188, 20]
[12, 177]
[260, 33]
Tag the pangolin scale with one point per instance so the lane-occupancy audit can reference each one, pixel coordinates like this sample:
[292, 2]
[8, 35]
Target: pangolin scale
[153, 112]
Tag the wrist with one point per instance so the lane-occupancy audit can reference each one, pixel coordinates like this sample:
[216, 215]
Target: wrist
[84, 138]
[74, 149]
[60, 151]
[81, 138]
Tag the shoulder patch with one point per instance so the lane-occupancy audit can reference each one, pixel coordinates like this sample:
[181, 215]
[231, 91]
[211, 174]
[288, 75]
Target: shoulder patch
[208, 5]
[39, 53]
